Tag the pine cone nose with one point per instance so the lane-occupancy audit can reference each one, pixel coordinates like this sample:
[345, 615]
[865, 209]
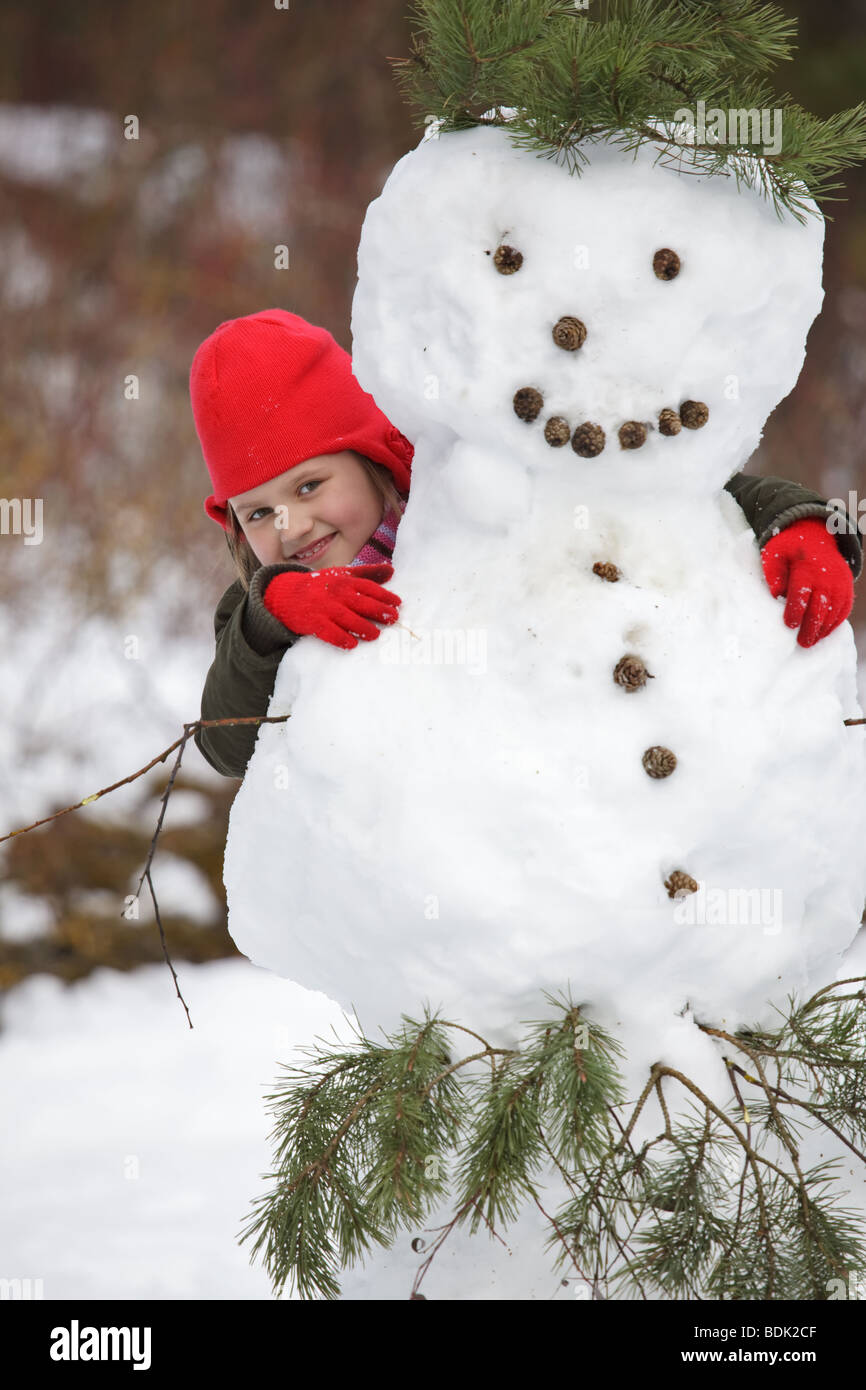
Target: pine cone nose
[569, 333]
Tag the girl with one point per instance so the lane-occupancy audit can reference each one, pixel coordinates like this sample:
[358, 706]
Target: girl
[310, 480]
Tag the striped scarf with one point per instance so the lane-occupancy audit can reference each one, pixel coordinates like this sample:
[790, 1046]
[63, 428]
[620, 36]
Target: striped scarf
[380, 546]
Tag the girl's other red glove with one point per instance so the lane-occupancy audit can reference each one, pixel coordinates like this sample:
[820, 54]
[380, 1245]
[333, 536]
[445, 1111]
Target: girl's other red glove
[333, 603]
[805, 563]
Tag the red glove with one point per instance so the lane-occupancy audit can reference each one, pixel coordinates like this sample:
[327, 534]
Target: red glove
[805, 563]
[333, 603]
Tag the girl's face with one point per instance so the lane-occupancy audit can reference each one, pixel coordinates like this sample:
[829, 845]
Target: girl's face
[330, 498]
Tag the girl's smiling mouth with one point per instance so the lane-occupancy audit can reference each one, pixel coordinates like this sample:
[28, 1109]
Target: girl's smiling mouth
[312, 551]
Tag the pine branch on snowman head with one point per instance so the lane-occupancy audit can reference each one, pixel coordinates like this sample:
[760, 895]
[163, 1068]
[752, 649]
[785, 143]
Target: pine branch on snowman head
[687, 76]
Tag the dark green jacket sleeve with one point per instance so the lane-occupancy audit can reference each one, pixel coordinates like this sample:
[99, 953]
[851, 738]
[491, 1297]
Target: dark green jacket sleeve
[250, 644]
[770, 504]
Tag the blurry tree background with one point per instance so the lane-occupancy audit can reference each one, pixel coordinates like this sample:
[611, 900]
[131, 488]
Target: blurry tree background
[257, 127]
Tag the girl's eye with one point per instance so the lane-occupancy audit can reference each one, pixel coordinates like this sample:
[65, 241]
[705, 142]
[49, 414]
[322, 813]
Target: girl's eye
[312, 483]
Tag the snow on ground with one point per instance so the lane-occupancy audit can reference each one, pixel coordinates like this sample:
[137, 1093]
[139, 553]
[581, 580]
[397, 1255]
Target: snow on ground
[138, 1145]
[137, 1142]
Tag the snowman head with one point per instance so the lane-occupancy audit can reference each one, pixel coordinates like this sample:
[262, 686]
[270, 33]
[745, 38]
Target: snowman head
[507, 302]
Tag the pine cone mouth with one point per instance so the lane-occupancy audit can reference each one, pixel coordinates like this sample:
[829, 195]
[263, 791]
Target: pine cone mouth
[589, 438]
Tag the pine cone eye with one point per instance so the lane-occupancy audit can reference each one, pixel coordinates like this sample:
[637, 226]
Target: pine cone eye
[605, 570]
[507, 259]
[666, 264]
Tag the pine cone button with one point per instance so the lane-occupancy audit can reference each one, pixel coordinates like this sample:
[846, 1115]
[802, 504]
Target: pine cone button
[527, 403]
[605, 570]
[694, 414]
[669, 422]
[569, 333]
[632, 434]
[680, 884]
[659, 762]
[507, 260]
[557, 431]
[666, 263]
[588, 440]
[631, 673]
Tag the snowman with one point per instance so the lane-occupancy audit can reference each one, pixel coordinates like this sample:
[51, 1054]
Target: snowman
[590, 755]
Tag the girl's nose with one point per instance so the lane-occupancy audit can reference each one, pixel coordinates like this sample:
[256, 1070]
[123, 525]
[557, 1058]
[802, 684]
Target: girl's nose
[293, 533]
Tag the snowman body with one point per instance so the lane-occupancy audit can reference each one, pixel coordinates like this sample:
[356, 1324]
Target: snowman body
[460, 812]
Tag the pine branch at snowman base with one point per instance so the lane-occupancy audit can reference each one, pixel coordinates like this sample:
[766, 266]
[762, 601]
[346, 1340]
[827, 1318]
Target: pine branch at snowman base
[717, 1205]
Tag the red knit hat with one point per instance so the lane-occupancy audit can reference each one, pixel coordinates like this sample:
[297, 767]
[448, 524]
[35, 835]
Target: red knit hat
[270, 390]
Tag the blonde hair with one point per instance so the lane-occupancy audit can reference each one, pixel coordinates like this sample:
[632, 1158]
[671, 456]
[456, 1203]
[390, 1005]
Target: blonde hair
[245, 559]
